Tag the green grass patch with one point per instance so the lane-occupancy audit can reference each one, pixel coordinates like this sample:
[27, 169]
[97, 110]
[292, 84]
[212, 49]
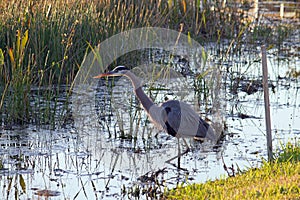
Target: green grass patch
[277, 180]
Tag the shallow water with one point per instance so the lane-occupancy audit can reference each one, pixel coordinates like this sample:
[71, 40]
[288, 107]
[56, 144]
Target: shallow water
[88, 159]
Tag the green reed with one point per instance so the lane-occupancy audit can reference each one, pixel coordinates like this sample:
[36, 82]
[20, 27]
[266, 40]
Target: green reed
[58, 34]
[17, 83]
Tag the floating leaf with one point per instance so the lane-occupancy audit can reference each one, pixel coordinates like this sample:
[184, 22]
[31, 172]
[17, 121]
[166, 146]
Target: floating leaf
[47, 193]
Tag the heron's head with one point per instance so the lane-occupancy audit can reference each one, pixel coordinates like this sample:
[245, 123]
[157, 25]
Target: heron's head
[118, 71]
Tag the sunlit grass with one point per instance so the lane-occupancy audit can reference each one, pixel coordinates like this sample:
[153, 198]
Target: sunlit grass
[289, 153]
[277, 180]
[58, 34]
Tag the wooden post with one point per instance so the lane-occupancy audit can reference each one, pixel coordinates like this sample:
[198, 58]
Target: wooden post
[256, 9]
[281, 10]
[267, 102]
[223, 4]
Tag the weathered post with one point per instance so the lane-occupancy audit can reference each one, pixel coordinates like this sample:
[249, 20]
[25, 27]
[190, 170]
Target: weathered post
[281, 10]
[267, 102]
[256, 9]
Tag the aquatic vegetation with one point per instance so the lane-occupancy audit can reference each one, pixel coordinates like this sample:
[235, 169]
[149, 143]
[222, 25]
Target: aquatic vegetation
[53, 36]
[42, 45]
[289, 152]
[19, 81]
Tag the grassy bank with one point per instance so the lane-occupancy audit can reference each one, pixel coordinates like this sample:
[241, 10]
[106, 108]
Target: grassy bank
[278, 180]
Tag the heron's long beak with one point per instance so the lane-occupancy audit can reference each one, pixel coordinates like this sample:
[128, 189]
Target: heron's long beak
[101, 75]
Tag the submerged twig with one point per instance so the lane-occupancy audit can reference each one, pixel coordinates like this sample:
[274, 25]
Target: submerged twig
[230, 170]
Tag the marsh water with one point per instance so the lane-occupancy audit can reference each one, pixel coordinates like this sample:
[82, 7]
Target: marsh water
[115, 153]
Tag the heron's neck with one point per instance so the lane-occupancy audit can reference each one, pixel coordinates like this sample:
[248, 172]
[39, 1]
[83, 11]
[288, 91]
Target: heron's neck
[137, 85]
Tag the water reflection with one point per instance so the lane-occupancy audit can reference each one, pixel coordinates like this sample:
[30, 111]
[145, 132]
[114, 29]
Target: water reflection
[92, 158]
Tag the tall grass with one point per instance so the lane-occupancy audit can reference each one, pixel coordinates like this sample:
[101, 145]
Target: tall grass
[58, 33]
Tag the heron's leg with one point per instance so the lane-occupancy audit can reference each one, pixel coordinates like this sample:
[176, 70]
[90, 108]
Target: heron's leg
[187, 146]
[178, 144]
[179, 154]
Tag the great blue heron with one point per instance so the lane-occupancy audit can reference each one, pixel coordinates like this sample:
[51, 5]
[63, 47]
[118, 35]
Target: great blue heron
[175, 117]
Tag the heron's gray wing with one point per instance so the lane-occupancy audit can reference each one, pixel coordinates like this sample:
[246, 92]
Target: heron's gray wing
[172, 112]
[184, 120]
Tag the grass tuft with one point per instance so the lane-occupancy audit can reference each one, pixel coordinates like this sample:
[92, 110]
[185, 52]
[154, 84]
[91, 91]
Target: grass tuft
[276, 180]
